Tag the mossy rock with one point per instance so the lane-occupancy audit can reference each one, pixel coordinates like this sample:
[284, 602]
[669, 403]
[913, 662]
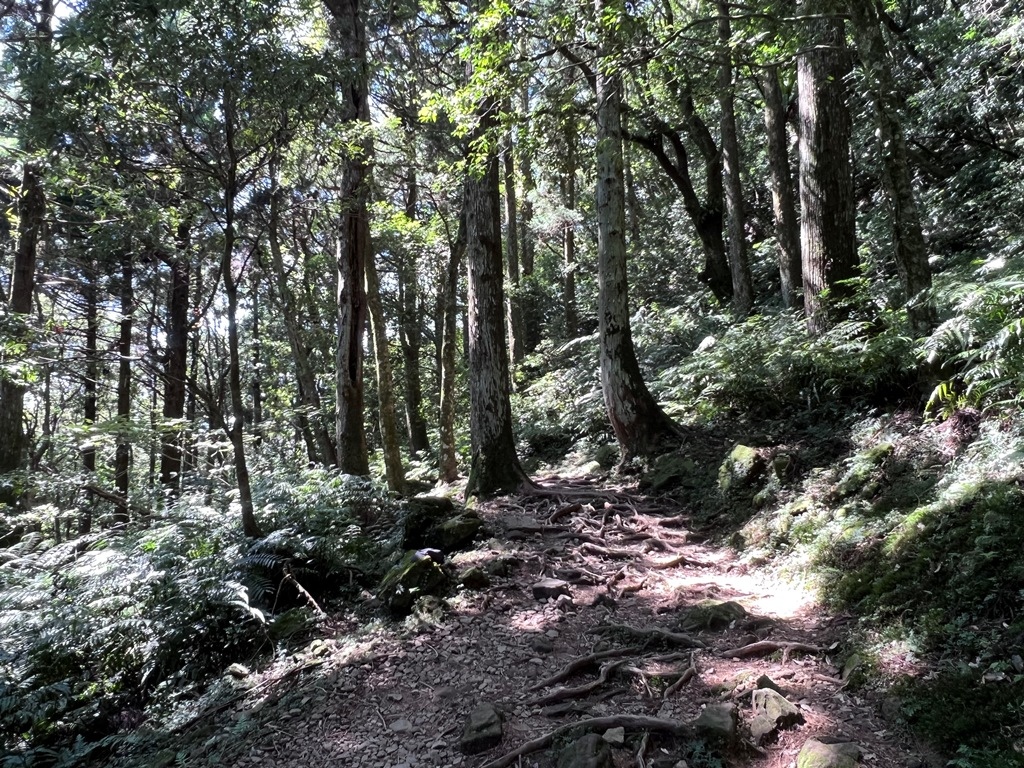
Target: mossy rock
[417, 574]
[607, 455]
[712, 615]
[588, 751]
[741, 468]
[816, 754]
[432, 521]
[670, 470]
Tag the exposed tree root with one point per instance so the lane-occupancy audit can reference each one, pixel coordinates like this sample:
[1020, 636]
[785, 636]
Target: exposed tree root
[675, 561]
[765, 647]
[630, 722]
[688, 674]
[582, 663]
[650, 633]
[561, 694]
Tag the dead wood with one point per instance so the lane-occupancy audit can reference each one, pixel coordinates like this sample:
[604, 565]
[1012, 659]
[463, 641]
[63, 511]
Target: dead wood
[583, 662]
[630, 722]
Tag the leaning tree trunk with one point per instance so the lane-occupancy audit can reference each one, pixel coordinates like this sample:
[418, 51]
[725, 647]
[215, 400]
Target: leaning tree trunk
[739, 269]
[827, 223]
[494, 466]
[911, 251]
[787, 229]
[349, 30]
[122, 456]
[640, 425]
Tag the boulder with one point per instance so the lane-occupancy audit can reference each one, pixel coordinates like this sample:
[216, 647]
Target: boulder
[717, 723]
[483, 729]
[475, 578]
[670, 470]
[741, 468]
[817, 754]
[713, 615]
[418, 573]
[589, 751]
[432, 521]
[772, 712]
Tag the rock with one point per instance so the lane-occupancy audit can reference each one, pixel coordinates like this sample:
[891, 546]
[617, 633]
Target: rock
[482, 730]
[816, 754]
[417, 574]
[541, 644]
[401, 726]
[766, 682]
[564, 603]
[238, 670]
[670, 470]
[501, 566]
[457, 532]
[781, 465]
[430, 522]
[589, 751]
[713, 615]
[741, 468]
[615, 736]
[475, 578]
[717, 722]
[607, 455]
[772, 711]
[549, 588]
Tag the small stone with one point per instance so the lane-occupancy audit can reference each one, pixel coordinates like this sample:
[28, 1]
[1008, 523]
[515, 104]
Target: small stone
[475, 578]
[238, 670]
[564, 603]
[401, 726]
[766, 682]
[550, 588]
[552, 633]
[541, 644]
[615, 736]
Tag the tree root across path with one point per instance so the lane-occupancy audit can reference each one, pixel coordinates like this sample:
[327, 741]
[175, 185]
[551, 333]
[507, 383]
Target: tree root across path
[764, 647]
[629, 722]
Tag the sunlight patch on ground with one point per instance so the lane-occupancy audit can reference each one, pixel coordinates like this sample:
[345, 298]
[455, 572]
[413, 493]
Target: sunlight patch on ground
[758, 592]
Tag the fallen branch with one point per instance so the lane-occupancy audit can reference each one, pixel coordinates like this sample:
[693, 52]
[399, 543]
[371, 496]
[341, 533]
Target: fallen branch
[561, 694]
[649, 632]
[764, 647]
[630, 722]
[583, 662]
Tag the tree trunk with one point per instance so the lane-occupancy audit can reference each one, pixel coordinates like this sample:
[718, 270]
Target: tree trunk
[569, 263]
[447, 460]
[514, 308]
[90, 386]
[640, 425]
[175, 364]
[827, 224]
[385, 383]
[349, 31]
[494, 466]
[787, 229]
[410, 334]
[122, 458]
[742, 289]
[911, 251]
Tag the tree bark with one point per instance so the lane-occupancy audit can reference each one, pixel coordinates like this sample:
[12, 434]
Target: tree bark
[742, 289]
[640, 425]
[410, 334]
[911, 250]
[827, 225]
[175, 364]
[90, 386]
[494, 466]
[447, 460]
[514, 308]
[787, 228]
[569, 261]
[349, 31]
[387, 418]
[122, 456]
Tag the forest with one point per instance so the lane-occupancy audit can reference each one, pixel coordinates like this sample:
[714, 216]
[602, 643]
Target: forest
[364, 363]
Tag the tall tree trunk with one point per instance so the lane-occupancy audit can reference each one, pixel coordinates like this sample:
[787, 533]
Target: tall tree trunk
[410, 333]
[494, 467]
[787, 229]
[31, 214]
[911, 251]
[256, 382]
[175, 364]
[122, 457]
[190, 453]
[742, 289]
[827, 224]
[385, 383]
[90, 387]
[514, 308]
[349, 31]
[640, 425]
[569, 263]
[447, 460]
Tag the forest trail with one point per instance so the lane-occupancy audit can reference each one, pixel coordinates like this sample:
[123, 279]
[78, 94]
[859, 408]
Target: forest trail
[370, 696]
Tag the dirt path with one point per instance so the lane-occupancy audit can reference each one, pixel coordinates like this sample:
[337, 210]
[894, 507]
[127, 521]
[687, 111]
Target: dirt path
[385, 699]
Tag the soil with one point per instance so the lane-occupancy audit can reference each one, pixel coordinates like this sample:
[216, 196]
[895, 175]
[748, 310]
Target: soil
[396, 695]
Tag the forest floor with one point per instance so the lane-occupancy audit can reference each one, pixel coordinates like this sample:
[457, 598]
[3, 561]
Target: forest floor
[644, 591]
